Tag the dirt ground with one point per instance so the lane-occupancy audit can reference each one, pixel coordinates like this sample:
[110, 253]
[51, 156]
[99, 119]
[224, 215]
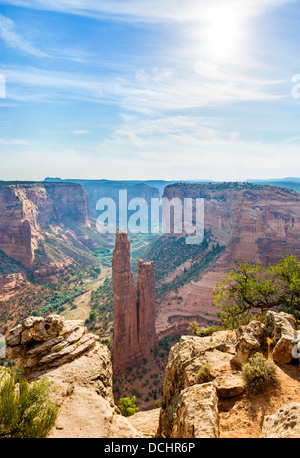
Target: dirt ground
[242, 416]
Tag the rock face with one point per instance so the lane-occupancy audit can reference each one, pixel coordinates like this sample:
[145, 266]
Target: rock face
[28, 208]
[40, 343]
[125, 343]
[250, 338]
[197, 413]
[282, 329]
[283, 424]
[146, 307]
[9, 284]
[184, 403]
[254, 223]
[134, 309]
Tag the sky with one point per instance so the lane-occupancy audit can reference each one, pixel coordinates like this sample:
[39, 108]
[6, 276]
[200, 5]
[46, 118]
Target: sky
[152, 89]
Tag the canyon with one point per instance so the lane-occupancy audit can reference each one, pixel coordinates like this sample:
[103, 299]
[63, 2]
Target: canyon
[46, 228]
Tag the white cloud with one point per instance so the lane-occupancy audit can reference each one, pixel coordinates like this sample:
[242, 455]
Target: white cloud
[14, 39]
[81, 132]
[144, 92]
[159, 11]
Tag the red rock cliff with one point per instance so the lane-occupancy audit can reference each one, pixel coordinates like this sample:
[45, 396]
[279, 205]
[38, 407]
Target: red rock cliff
[254, 223]
[27, 208]
[134, 311]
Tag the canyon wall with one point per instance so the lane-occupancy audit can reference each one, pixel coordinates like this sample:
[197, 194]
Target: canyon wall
[257, 223]
[253, 223]
[134, 308]
[28, 208]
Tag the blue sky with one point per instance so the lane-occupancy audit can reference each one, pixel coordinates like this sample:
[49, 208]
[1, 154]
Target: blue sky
[168, 89]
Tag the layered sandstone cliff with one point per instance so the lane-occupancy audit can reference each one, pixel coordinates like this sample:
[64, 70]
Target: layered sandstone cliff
[251, 223]
[27, 209]
[134, 309]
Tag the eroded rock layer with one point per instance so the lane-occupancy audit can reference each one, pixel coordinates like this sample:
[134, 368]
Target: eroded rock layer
[28, 208]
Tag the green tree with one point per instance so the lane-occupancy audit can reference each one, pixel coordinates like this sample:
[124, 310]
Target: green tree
[93, 315]
[249, 290]
[25, 409]
[128, 406]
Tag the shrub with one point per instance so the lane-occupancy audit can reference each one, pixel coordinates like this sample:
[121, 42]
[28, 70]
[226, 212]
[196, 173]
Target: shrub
[25, 409]
[258, 371]
[204, 373]
[128, 406]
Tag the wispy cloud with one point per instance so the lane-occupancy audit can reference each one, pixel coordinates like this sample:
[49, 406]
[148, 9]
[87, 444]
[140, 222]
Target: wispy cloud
[145, 92]
[81, 132]
[14, 39]
[148, 10]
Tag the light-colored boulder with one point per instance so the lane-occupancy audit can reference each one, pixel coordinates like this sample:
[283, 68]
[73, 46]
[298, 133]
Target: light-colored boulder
[197, 413]
[146, 422]
[50, 327]
[230, 385]
[250, 338]
[14, 336]
[285, 423]
[282, 328]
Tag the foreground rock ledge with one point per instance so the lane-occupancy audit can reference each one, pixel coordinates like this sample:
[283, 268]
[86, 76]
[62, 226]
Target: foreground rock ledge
[80, 368]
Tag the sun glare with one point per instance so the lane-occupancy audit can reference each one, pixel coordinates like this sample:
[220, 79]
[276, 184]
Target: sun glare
[223, 33]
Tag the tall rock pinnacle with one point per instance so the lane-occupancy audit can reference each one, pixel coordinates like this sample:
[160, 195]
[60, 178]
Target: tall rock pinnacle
[134, 311]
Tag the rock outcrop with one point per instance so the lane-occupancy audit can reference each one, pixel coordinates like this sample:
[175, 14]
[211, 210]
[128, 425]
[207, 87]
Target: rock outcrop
[40, 343]
[28, 208]
[190, 402]
[186, 358]
[11, 283]
[282, 329]
[125, 342]
[80, 371]
[134, 308]
[146, 298]
[283, 424]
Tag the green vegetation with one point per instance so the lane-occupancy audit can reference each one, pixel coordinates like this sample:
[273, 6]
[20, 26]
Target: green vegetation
[201, 331]
[59, 299]
[25, 409]
[169, 253]
[248, 291]
[128, 406]
[258, 372]
[203, 375]
[101, 316]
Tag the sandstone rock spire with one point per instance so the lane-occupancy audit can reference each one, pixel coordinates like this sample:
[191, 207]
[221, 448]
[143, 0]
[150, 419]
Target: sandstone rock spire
[146, 298]
[134, 310]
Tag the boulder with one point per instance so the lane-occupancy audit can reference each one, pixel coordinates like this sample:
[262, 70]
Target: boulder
[40, 343]
[229, 385]
[285, 423]
[250, 338]
[197, 413]
[282, 329]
